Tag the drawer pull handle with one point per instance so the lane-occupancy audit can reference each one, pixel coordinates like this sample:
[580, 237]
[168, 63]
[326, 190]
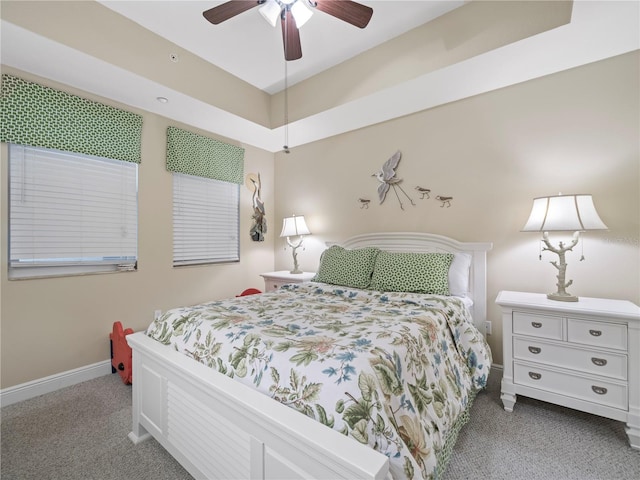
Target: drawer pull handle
[601, 362]
[535, 350]
[536, 324]
[595, 333]
[599, 390]
[538, 376]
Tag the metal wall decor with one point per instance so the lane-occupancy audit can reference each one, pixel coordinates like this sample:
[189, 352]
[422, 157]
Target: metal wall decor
[445, 200]
[259, 227]
[423, 192]
[364, 202]
[388, 179]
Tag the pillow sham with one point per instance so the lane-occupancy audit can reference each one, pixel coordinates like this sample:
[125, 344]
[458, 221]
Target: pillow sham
[412, 272]
[348, 268]
[459, 274]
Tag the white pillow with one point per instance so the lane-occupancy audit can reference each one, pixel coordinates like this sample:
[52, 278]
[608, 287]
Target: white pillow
[459, 274]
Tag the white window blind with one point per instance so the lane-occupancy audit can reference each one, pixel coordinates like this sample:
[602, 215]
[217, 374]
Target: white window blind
[206, 220]
[70, 213]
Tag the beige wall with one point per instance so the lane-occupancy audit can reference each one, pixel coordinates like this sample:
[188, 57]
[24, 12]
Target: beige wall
[572, 132]
[50, 326]
[473, 29]
[575, 132]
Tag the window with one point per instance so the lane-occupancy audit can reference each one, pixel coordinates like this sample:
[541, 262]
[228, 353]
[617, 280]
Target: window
[206, 220]
[70, 213]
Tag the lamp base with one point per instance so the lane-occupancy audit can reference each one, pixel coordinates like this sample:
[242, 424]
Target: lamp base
[562, 297]
[296, 271]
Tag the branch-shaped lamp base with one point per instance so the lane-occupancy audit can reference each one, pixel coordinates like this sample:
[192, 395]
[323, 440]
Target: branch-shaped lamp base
[566, 297]
[294, 246]
[561, 294]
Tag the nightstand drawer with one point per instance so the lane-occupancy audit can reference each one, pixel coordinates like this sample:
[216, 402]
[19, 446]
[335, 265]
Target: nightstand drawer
[594, 390]
[600, 334]
[607, 364]
[271, 285]
[537, 325]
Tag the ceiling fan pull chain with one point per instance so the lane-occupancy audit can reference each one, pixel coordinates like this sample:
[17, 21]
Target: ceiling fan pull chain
[286, 100]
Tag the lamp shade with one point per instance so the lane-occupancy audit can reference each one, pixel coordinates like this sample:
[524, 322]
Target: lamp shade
[563, 213]
[294, 226]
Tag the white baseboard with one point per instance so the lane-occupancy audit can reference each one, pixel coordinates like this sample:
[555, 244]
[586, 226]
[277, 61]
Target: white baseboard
[52, 383]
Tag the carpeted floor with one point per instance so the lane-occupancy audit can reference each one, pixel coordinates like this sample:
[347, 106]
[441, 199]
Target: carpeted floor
[539, 441]
[80, 433]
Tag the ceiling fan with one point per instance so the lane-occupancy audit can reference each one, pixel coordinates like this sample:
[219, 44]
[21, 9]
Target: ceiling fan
[293, 14]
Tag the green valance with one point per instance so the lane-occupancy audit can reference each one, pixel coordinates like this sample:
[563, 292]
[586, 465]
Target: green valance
[195, 154]
[39, 116]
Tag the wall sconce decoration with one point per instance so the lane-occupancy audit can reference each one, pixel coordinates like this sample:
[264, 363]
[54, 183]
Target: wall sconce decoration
[563, 213]
[259, 227]
[294, 226]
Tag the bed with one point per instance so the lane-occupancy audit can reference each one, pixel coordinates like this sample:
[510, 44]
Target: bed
[367, 372]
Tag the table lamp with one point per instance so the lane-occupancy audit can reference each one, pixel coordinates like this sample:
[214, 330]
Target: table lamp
[563, 213]
[294, 226]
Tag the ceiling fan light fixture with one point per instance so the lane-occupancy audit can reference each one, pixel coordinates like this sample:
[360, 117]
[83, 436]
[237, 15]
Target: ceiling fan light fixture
[301, 13]
[271, 11]
[293, 14]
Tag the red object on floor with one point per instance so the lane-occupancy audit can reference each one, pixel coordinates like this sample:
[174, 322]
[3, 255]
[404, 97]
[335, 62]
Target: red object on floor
[249, 291]
[121, 352]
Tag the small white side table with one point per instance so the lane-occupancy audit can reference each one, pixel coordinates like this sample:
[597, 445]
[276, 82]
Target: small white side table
[583, 355]
[274, 280]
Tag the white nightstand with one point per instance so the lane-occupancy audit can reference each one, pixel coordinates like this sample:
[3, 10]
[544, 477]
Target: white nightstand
[274, 280]
[583, 355]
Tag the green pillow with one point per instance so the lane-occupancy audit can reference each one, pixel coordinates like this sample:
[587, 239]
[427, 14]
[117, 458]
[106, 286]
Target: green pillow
[412, 272]
[349, 268]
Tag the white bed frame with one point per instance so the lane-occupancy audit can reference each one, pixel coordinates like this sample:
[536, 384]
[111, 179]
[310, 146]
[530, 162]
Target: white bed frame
[218, 428]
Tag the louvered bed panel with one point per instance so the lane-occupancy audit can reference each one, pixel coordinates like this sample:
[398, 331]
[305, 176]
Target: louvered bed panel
[194, 426]
[217, 428]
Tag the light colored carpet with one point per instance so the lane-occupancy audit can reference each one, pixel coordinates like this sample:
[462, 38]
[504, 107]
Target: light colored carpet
[539, 441]
[80, 433]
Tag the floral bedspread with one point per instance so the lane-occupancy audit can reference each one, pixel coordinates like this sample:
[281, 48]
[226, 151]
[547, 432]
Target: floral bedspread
[391, 370]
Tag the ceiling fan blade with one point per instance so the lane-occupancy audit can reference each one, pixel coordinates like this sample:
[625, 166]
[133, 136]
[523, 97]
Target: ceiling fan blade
[229, 10]
[350, 12]
[290, 37]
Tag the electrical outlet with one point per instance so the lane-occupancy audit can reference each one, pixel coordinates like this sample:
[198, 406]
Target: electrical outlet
[487, 327]
[156, 314]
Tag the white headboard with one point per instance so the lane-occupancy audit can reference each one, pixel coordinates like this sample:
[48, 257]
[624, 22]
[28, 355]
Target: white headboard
[427, 242]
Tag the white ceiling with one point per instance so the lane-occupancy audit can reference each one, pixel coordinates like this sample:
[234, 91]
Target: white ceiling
[598, 30]
[257, 58]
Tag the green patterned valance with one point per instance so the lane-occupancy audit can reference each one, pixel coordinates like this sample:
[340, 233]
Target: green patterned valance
[195, 154]
[39, 116]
